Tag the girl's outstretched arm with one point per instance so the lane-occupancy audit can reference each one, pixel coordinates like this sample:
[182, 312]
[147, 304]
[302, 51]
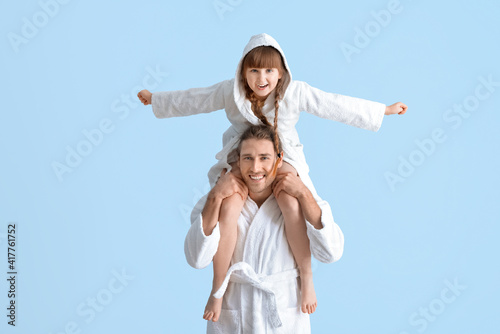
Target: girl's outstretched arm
[188, 102]
[352, 111]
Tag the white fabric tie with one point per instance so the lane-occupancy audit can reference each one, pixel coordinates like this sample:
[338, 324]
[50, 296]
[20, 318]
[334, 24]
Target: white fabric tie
[246, 275]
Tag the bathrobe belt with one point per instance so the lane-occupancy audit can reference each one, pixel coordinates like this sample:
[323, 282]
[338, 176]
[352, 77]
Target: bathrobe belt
[243, 273]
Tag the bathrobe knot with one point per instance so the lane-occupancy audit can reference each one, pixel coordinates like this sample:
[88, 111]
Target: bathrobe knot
[243, 273]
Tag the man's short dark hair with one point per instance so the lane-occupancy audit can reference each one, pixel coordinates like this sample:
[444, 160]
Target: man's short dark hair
[261, 132]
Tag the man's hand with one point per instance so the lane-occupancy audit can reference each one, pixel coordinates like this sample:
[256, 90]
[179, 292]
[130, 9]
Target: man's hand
[396, 108]
[229, 184]
[289, 183]
[145, 96]
[293, 185]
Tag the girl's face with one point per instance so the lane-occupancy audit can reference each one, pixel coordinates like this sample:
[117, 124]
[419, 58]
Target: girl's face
[262, 80]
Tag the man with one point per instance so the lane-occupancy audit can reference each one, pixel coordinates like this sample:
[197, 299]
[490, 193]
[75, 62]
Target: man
[261, 291]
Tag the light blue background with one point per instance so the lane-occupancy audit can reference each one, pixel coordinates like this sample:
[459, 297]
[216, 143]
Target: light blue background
[125, 206]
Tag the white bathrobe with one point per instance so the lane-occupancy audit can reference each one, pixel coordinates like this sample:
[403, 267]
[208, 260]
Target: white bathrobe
[263, 291]
[263, 296]
[298, 96]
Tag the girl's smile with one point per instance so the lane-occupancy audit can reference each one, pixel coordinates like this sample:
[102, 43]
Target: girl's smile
[262, 81]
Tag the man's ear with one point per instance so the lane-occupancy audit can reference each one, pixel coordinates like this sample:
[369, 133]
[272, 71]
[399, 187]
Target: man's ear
[280, 160]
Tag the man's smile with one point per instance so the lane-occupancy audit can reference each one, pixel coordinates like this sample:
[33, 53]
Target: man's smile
[257, 178]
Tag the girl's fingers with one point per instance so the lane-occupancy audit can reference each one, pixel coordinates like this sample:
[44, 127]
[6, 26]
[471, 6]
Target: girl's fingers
[242, 192]
[241, 188]
[242, 196]
[241, 183]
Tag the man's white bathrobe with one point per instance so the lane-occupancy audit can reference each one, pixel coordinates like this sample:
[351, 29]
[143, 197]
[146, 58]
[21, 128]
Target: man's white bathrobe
[263, 291]
[298, 96]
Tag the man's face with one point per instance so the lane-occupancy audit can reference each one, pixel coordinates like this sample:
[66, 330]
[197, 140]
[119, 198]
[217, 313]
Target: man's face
[256, 162]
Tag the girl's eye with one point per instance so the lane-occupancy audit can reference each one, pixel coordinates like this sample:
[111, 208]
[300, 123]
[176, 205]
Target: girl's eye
[269, 70]
[253, 70]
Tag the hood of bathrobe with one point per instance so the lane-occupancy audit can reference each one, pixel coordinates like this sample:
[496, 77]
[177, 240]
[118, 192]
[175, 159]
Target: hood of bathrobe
[242, 103]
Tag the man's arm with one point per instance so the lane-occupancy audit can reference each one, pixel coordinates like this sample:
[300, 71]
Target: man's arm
[227, 185]
[202, 239]
[293, 185]
[325, 236]
[311, 209]
[199, 248]
[210, 213]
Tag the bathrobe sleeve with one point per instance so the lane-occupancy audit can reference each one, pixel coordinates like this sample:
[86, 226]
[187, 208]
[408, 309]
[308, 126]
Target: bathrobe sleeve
[198, 247]
[327, 244]
[348, 110]
[192, 101]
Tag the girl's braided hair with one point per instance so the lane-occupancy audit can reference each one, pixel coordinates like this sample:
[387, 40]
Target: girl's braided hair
[264, 57]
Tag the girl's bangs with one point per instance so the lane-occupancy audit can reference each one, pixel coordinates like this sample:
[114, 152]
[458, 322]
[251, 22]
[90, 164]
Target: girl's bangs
[263, 57]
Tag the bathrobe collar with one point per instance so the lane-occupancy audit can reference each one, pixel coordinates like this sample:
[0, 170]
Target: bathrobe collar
[240, 99]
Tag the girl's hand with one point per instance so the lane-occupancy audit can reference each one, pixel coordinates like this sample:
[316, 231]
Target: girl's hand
[396, 108]
[229, 184]
[289, 183]
[145, 96]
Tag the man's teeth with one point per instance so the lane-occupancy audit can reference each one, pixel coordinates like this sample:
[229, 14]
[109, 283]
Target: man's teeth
[256, 177]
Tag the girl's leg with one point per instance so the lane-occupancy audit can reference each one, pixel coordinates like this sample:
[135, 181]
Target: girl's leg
[296, 234]
[228, 218]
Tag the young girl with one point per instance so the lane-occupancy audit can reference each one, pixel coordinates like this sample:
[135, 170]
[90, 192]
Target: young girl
[263, 92]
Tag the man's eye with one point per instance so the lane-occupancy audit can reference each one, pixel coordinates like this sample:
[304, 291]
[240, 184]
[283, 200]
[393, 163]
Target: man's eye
[247, 158]
[265, 158]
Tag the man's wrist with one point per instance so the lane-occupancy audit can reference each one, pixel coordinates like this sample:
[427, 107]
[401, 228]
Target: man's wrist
[304, 194]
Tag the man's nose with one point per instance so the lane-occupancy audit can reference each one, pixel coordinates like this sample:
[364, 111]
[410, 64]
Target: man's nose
[256, 166]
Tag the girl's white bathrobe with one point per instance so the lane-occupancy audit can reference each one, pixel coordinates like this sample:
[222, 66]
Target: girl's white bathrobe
[298, 96]
[263, 291]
